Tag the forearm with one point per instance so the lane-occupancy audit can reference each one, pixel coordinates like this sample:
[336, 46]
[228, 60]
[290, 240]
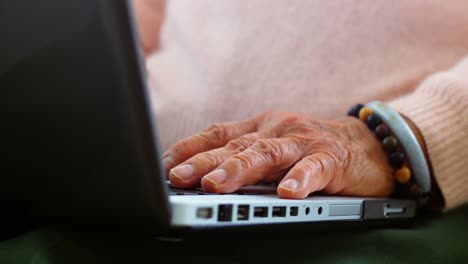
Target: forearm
[437, 112]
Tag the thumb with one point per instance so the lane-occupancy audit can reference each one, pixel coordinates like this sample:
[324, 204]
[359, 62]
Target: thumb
[312, 173]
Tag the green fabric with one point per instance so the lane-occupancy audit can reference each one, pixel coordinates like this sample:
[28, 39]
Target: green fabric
[441, 240]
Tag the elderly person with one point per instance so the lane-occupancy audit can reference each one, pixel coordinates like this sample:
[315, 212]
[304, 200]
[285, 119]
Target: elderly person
[304, 64]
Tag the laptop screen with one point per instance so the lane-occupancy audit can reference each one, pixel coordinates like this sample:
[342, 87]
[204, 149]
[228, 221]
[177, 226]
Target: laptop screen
[78, 136]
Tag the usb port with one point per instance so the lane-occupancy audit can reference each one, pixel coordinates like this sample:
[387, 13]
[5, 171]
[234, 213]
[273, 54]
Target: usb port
[225, 212]
[279, 211]
[261, 211]
[205, 212]
[243, 212]
[293, 211]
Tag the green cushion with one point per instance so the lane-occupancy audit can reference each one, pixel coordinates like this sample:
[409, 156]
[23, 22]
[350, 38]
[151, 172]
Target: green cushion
[441, 240]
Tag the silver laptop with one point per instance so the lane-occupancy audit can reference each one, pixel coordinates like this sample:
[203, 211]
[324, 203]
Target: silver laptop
[82, 143]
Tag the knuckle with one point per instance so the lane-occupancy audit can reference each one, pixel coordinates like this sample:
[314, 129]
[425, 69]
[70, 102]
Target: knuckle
[289, 120]
[181, 147]
[207, 158]
[235, 146]
[240, 144]
[314, 165]
[324, 163]
[243, 162]
[271, 149]
[216, 131]
[298, 125]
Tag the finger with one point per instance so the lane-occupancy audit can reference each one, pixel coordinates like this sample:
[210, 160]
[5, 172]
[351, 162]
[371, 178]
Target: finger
[189, 173]
[253, 164]
[312, 173]
[215, 136]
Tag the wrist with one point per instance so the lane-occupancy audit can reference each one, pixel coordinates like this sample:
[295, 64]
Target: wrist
[404, 148]
[417, 134]
[436, 202]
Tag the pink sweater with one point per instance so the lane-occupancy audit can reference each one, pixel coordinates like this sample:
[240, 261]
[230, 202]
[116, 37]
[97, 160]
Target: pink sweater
[227, 60]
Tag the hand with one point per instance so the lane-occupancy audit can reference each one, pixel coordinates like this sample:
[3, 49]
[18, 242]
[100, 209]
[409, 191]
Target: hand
[308, 155]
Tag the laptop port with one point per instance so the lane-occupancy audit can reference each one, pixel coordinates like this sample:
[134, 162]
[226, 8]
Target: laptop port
[294, 211]
[225, 212]
[205, 213]
[279, 211]
[261, 211]
[320, 210]
[243, 212]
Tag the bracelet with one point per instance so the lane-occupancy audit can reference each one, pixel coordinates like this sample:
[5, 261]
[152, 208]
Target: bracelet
[411, 170]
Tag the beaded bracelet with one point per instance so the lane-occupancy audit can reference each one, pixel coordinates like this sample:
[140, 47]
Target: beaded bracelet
[408, 186]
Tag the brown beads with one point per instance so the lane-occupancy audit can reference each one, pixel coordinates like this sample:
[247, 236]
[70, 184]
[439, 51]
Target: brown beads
[403, 175]
[373, 121]
[397, 159]
[382, 131]
[365, 113]
[390, 143]
[354, 111]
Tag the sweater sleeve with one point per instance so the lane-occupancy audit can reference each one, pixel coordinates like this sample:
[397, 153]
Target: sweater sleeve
[439, 108]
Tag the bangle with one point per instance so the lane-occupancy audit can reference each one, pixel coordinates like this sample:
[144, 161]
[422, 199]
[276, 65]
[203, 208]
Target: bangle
[411, 170]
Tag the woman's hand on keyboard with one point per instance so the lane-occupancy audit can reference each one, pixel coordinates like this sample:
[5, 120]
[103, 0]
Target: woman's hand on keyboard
[305, 155]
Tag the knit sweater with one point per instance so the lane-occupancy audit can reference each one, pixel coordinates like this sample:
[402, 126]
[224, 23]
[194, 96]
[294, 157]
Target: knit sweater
[223, 60]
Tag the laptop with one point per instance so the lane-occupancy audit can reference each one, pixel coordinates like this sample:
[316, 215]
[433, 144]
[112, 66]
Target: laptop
[81, 139]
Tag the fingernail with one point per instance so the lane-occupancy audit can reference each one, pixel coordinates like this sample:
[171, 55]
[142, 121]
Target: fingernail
[217, 176]
[289, 184]
[183, 172]
[168, 162]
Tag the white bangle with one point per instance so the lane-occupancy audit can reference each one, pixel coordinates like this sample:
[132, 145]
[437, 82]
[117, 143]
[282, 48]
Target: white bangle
[404, 134]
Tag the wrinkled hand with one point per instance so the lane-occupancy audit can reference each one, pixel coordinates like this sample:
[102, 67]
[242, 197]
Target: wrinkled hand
[308, 155]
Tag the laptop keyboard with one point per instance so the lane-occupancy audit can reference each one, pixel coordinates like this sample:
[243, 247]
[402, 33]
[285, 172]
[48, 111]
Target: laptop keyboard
[176, 191]
[251, 190]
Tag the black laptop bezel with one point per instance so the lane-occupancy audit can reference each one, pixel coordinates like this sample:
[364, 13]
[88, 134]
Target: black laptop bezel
[81, 144]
